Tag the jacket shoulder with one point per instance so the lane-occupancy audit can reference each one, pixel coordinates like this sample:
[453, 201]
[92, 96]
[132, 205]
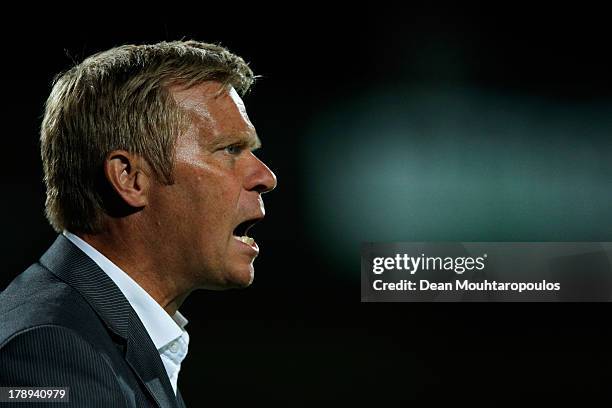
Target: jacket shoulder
[37, 297]
[55, 356]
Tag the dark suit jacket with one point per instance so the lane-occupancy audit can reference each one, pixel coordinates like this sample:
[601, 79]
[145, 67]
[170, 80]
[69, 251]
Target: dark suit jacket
[64, 323]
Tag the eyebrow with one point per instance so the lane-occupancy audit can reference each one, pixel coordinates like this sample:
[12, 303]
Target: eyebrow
[254, 142]
[250, 140]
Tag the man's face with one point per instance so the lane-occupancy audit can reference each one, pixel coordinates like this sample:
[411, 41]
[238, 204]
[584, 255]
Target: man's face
[217, 189]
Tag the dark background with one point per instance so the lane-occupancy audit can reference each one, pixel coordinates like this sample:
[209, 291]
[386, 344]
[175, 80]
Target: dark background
[524, 154]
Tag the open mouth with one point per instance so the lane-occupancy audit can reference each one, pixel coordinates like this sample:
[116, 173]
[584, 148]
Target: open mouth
[242, 230]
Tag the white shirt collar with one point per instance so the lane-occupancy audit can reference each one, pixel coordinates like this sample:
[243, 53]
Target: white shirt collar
[162, 328]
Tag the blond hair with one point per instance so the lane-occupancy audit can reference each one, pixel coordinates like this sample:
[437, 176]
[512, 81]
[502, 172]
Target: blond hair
[119, 99]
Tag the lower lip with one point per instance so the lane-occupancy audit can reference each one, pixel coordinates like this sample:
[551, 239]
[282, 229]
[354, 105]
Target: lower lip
[252, 247]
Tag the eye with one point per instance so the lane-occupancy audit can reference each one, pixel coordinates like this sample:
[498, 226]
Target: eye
[234, 149]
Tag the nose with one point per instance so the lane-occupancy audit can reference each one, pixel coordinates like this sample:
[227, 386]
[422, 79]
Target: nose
[261, 178]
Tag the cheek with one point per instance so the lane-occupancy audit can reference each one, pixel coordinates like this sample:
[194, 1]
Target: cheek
[211, 195]
[214, 206]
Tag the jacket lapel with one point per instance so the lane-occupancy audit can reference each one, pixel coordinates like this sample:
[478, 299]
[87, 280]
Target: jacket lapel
[75, 268]
[179, 396]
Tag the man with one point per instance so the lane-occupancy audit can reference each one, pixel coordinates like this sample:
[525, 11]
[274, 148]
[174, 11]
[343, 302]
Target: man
[152, 182]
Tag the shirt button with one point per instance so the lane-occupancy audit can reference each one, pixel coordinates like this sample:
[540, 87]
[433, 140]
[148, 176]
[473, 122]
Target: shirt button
[174, 347]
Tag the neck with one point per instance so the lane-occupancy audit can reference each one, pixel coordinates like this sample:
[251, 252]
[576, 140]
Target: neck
[143, 262]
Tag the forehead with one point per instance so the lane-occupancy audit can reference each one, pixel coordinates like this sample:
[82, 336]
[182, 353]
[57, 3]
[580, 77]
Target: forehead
[215, 109]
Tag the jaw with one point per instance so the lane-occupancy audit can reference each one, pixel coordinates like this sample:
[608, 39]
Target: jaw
[232, 267]
[233, 277]
[239, 269]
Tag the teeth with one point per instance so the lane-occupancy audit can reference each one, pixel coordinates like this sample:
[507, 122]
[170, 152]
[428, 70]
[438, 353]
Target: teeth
[247, 240]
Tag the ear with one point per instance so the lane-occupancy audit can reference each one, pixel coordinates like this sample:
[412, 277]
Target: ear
[129, 176]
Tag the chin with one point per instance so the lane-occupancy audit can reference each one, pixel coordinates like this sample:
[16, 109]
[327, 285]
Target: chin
[232, 275]
[239, 277]
[247, 278]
